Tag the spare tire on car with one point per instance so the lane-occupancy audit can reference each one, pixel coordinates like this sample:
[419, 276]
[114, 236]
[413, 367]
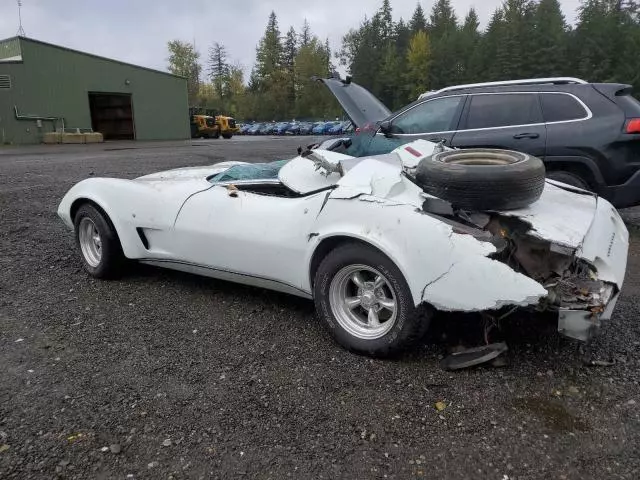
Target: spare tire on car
[482, 179]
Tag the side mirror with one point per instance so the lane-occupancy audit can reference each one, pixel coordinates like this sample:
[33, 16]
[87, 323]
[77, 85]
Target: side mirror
[385, 128]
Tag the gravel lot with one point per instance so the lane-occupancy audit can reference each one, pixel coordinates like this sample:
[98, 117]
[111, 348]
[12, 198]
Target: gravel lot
[166, 375]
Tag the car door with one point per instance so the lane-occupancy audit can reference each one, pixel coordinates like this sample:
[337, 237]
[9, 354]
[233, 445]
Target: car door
[434, 119]
[248, 231]
[503, 120]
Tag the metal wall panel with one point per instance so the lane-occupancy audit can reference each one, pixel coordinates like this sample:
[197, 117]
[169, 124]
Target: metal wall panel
[55, 82]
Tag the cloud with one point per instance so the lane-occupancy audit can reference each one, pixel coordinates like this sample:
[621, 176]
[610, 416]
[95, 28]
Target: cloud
[138, 31]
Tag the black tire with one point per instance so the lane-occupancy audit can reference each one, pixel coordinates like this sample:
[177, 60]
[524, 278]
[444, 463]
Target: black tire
[227, 136]
[410, 323]
[112, 260]
[569, 179]
[483, 179]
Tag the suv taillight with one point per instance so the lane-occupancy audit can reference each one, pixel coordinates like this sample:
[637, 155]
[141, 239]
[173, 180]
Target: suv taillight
[633, 126]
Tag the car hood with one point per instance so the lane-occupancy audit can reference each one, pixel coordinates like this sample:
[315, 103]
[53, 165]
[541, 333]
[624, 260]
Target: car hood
[188, 173]
[358, 103]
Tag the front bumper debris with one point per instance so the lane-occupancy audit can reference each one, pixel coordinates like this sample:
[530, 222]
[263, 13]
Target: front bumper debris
[584, 325]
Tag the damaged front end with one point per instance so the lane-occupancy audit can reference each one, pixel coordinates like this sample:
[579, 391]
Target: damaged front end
[574, 289]
[577, 292]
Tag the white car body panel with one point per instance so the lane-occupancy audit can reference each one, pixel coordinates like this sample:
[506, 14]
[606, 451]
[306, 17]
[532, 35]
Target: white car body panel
[209, 229]
[301, 176]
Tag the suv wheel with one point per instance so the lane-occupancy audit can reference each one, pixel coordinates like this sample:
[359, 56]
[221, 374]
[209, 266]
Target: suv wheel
[568, 178]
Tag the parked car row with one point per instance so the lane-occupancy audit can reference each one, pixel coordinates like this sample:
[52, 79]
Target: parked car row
[297, 128]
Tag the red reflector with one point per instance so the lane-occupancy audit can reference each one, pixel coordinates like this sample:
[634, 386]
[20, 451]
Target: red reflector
[633, 126]
[413, 151]
[358, 130]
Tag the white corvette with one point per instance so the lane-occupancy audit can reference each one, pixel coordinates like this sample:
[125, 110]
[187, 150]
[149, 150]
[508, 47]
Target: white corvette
[375, 250]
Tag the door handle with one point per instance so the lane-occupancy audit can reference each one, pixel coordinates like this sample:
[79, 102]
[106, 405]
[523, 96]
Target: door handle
[520, 136]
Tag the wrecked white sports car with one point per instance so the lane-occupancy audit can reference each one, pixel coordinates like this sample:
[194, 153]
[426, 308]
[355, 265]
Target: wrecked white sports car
[379, 243]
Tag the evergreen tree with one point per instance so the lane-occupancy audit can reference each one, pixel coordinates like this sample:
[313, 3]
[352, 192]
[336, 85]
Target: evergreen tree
[272, 100]
[514, 49]
[305, 35]
[289, 58]
[490, 44]
[418, 20]
[443, 20]
[386, 21]
[219, 71]
[606, 41]
[270, 51]
[549, 54]
[444, 42]
[469, 66]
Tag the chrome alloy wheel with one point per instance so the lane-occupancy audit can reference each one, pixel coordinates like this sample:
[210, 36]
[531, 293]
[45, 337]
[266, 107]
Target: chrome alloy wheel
[90, 242]
[363, 302]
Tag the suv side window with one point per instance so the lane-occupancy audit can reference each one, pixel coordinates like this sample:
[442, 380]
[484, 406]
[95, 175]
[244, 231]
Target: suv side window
[560, 107]
[503, 110]
[437, 115]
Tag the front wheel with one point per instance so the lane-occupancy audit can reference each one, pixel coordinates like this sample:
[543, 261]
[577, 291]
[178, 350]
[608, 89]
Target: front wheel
[227, 136]
[365, 302]
[98, 243]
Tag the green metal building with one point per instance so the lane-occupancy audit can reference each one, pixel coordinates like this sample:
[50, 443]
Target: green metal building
[46, 88]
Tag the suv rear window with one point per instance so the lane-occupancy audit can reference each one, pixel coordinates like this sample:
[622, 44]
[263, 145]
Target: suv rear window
[560, 107]
[438, 115]
[502, 110]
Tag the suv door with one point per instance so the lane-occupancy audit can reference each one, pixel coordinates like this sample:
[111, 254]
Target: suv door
[510, 121]
[435, 119]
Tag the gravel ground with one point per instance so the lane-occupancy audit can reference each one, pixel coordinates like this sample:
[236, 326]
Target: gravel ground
[166, 375]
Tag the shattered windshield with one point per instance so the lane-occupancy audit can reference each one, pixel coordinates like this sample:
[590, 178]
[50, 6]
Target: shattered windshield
[250, 171]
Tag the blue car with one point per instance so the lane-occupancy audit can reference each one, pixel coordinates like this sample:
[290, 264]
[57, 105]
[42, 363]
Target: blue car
[339, 128]
[294, 128]
[306, 128]
[266, 129]
[254, 129]
[244, 130]
[318, 128]
[280, 128]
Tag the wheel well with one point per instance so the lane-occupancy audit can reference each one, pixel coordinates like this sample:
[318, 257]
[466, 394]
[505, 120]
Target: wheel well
[575, 168]
[75, 206]
[329, 244]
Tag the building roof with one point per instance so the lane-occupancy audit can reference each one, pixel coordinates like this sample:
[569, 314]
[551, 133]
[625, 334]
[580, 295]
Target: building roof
[106, 59]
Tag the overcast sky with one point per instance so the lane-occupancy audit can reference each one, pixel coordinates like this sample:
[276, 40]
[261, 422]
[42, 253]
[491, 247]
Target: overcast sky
[137, 31]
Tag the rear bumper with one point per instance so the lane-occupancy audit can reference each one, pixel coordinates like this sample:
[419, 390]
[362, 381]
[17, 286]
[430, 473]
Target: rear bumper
[624, 195]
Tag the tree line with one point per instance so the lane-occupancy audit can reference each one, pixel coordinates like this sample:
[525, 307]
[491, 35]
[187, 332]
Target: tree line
[280, 86]
[398, 60]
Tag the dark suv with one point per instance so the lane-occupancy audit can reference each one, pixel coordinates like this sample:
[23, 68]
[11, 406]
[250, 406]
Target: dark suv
[587, 134]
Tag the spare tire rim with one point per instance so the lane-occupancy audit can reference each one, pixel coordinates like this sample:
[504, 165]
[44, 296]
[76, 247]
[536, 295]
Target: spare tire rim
[363, 302]
[479, 157]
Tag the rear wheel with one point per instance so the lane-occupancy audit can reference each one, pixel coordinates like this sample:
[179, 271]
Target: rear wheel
[98, 243]
[365, 302]
[227, 136]
[569, 179]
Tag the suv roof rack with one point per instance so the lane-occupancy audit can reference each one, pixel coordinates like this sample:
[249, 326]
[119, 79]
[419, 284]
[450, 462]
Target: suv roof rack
[529, 81]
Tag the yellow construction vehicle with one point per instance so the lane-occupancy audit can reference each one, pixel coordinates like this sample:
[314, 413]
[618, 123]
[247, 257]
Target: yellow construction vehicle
[227, 126]
[204, 126]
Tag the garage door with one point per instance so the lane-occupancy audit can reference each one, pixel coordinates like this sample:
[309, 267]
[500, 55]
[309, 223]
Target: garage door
[112, 115]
